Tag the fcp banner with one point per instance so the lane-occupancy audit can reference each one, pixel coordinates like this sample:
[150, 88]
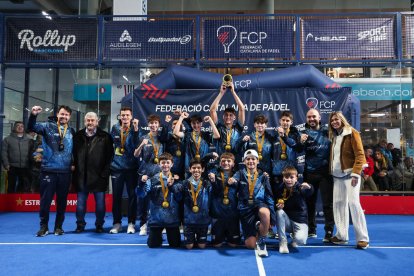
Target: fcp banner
[55, 39]
[270, 102]
[248, 39]
[347, 38]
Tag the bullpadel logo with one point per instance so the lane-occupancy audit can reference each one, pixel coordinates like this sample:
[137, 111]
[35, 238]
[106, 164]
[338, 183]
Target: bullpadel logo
[51, 39]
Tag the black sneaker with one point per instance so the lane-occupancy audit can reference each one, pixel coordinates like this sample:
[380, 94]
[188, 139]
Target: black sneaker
[80, 228]
[42, 232]
[59, 231]
[328, 237]
[99, 229]
[312, 235]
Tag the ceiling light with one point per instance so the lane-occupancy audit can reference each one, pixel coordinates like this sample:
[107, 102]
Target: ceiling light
[376, 115]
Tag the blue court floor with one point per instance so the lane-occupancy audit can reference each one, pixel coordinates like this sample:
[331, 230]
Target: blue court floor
[391, 252]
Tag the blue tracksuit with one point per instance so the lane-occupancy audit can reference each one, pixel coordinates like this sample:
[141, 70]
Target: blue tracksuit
[159, 216]
[202, 217]
[126, 161]
[267, 150]
[293, 149]
[218, 209]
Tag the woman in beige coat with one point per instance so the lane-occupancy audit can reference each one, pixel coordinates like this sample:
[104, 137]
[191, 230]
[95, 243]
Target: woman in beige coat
[346, 161]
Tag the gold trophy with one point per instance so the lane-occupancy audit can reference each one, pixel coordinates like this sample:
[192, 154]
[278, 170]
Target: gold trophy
[227, 80]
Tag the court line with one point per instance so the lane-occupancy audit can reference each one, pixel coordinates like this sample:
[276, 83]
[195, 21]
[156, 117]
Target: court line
[144, 244]
[260, 265]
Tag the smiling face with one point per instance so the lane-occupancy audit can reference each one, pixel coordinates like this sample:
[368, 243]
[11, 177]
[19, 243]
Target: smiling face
[285, 122]
[251, 162]
[196, 170]
[290, 180]
[336, 123]
[260, 126]
[313, 118]
[228, 118]
[166, 165]
[226, 164]
[63, 116]
[154, 125]
[196, 125]
[91, 123]
[126, 117]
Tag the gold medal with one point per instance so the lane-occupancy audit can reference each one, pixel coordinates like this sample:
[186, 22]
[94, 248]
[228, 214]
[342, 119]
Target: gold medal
[251, 201]
[155, 160]
[280, 201]
[260, 157]
[122, 150]
[228, 147]
[283, 156]
[197, 156]
[195, 209]
[165, 204]
[178, 153]
[226, 201]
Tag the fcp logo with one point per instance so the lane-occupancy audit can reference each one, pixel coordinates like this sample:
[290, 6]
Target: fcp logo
[312, 102]
[226, 34]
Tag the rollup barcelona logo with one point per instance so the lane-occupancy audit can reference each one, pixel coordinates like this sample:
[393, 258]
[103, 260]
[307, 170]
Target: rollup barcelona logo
[226, 34]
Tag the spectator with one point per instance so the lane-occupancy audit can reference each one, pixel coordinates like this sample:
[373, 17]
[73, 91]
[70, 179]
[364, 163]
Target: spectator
[92, 153]
[381, 168]
[16, 154]
[55, 172]
[408, 174]
[37, 157]
[367, 179]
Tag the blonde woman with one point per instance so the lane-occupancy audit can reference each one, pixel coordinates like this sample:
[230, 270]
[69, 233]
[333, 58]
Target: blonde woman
[346, 161]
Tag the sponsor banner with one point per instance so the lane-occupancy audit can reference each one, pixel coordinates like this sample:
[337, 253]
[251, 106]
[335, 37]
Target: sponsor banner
[41, 39]
[409, 34]
[163, 39]
[31, 203]
[379, 89]
[348, 38]
[248, 39]
[271, 102]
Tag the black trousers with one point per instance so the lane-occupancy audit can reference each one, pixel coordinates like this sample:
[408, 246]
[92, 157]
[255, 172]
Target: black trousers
[155, 236]
[322, 182]
[18, 178]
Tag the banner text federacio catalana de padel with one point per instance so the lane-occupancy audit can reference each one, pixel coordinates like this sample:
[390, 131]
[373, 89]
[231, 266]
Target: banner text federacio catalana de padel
[60, 39]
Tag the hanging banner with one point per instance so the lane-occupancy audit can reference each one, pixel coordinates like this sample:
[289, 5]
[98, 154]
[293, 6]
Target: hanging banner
[163, 39]
[409, 34]
[248, 39]
[271, 102]
[51, 40]
[347, 38]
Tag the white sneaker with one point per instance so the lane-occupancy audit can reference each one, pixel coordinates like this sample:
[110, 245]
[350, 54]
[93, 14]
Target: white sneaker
[261, 247]
[116, 228]
[131, 228]
[283, 247]
[143, 230]
[164, 231]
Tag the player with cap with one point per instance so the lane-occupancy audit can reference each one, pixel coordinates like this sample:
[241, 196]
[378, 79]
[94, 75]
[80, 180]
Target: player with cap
[256, 203]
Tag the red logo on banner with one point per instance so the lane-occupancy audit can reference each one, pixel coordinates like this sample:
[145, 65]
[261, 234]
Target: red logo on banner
[151, 91]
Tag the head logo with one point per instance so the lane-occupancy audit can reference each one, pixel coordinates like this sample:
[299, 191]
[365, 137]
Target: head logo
[309, 36]
[125, 37]
[226, 34]
[185, 39]
[312, 102]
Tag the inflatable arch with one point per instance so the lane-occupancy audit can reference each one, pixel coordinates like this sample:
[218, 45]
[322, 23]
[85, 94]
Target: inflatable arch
[181, 77]
[177, 77]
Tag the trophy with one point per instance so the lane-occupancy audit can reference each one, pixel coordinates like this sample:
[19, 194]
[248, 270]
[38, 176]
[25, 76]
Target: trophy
[227, 80]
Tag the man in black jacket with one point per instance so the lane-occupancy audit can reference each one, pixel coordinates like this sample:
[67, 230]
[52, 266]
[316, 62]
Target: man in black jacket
[93, 152]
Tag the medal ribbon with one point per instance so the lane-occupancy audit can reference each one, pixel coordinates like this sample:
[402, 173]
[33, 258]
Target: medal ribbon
[60, 132]
[284, 197]
[163, 186]
[259, 143]
[197, 142]
[124, 134]
[282, 143]
[251, 183]
[229, 132]
[154, 145]
[225, 187]
[194, 195]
